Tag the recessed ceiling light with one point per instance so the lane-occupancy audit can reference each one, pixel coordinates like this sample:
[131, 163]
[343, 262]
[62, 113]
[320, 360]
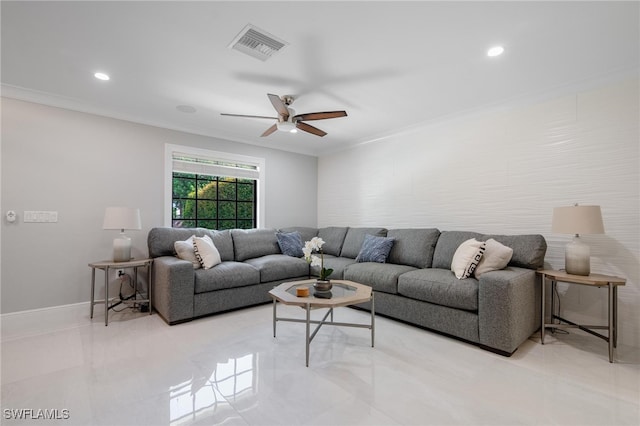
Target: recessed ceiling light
[495, 51]
[101, 76]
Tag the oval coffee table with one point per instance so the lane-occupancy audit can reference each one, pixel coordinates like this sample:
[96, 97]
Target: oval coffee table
[343, 293]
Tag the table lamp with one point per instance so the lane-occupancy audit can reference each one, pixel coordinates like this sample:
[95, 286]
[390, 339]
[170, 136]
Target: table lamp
[577, 220]
[121, 218]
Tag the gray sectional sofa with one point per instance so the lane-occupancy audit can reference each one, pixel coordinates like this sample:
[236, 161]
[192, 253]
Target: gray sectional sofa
[498, 311]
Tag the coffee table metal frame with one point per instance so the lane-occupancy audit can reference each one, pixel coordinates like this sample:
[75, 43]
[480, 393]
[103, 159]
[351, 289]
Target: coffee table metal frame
[361, 294]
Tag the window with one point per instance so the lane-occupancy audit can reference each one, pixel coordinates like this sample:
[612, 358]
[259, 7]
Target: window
[212, 190]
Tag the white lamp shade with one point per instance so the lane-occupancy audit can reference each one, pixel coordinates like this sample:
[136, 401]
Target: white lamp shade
[577, 220]
[122, 218]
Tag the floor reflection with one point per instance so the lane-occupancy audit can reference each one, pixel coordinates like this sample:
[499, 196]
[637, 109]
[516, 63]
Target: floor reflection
[230, 381]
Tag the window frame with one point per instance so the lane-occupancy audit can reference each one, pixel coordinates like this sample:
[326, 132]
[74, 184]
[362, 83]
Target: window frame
[171, 149]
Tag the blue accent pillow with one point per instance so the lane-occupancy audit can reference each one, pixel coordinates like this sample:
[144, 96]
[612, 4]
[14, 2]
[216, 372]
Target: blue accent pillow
[375, 249]
[290, 243]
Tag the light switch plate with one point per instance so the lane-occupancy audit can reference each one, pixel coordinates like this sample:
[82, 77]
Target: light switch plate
[32, 216]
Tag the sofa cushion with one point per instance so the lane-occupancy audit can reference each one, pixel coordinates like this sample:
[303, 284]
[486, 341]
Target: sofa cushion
[379, 276]
[333, 237]
[447, 244]
[467, 257]
[185, 251]
[496, 256]
[528, 250]
[306, 233]
[206, 253]
[250, 243]
[290, 243]
[274, 267]
[355, 237]
[439, 286]
[375, 249]
[336, 263]
[227, 274]
[223, 242]
[413, 247]
[160, 241]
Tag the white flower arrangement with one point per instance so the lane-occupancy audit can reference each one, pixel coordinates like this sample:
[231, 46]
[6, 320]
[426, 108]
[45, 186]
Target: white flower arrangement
[315, 244]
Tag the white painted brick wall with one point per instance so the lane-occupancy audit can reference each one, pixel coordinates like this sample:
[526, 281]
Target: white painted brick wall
[503, 172]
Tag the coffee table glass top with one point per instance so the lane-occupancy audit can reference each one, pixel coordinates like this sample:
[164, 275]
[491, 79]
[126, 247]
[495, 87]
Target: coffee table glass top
[343, 293]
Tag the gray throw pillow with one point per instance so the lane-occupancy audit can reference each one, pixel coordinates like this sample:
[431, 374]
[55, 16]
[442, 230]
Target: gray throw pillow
[290, 243]
[375, 249]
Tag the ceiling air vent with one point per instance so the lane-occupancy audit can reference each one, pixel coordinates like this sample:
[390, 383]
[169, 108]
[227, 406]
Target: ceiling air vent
[257, 43]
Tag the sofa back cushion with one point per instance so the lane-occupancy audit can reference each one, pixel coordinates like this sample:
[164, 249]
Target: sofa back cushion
[413, 247]
[160, 241]
[223, 242]
[305, 233]
[333, 237]
[251, 243]
[354, 239]
[528, 250]
[448, 243]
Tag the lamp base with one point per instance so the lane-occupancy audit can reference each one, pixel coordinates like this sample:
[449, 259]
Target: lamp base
[577, 257]
[122, 248]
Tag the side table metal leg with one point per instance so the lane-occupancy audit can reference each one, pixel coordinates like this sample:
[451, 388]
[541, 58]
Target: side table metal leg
[615, 316]
[135, 286]
[373, 320]
[553, 303]
[106, 296]
[274, 317]
[542, 313]
[611, 326]
[93, 288]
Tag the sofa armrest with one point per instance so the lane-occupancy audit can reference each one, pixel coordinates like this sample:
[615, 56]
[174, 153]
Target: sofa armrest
[173, 288]
[508, 307]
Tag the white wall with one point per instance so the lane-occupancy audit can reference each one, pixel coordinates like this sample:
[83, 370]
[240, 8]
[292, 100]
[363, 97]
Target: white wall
[77, 164]
[503, 171]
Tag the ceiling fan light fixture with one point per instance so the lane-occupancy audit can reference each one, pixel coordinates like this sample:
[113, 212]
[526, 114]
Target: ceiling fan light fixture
[287, 126]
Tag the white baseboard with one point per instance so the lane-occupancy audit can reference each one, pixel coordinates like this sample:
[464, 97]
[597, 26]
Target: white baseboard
[43, 320]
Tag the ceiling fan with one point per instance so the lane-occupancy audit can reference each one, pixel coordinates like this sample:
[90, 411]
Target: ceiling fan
[288, 120]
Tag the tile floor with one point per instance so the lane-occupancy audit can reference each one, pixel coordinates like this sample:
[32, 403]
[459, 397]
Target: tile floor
[228, 369]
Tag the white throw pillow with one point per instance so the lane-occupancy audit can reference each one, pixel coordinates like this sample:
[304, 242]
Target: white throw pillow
[185, 251]
[206, 252]
[496, 256]
[466, 258]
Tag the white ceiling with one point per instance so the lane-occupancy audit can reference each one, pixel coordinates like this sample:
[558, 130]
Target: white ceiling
[390, 65]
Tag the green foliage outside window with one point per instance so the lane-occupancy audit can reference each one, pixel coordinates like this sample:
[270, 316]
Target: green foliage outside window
[213, 202]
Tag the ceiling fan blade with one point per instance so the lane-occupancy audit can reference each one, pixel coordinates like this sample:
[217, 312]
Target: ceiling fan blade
[269, 130]
[279, 105]
[248, 116]
[320, 115]
[310, 129]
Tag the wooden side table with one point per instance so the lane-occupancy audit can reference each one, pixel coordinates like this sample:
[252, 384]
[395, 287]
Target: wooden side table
[105, 265]
[593, 280]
